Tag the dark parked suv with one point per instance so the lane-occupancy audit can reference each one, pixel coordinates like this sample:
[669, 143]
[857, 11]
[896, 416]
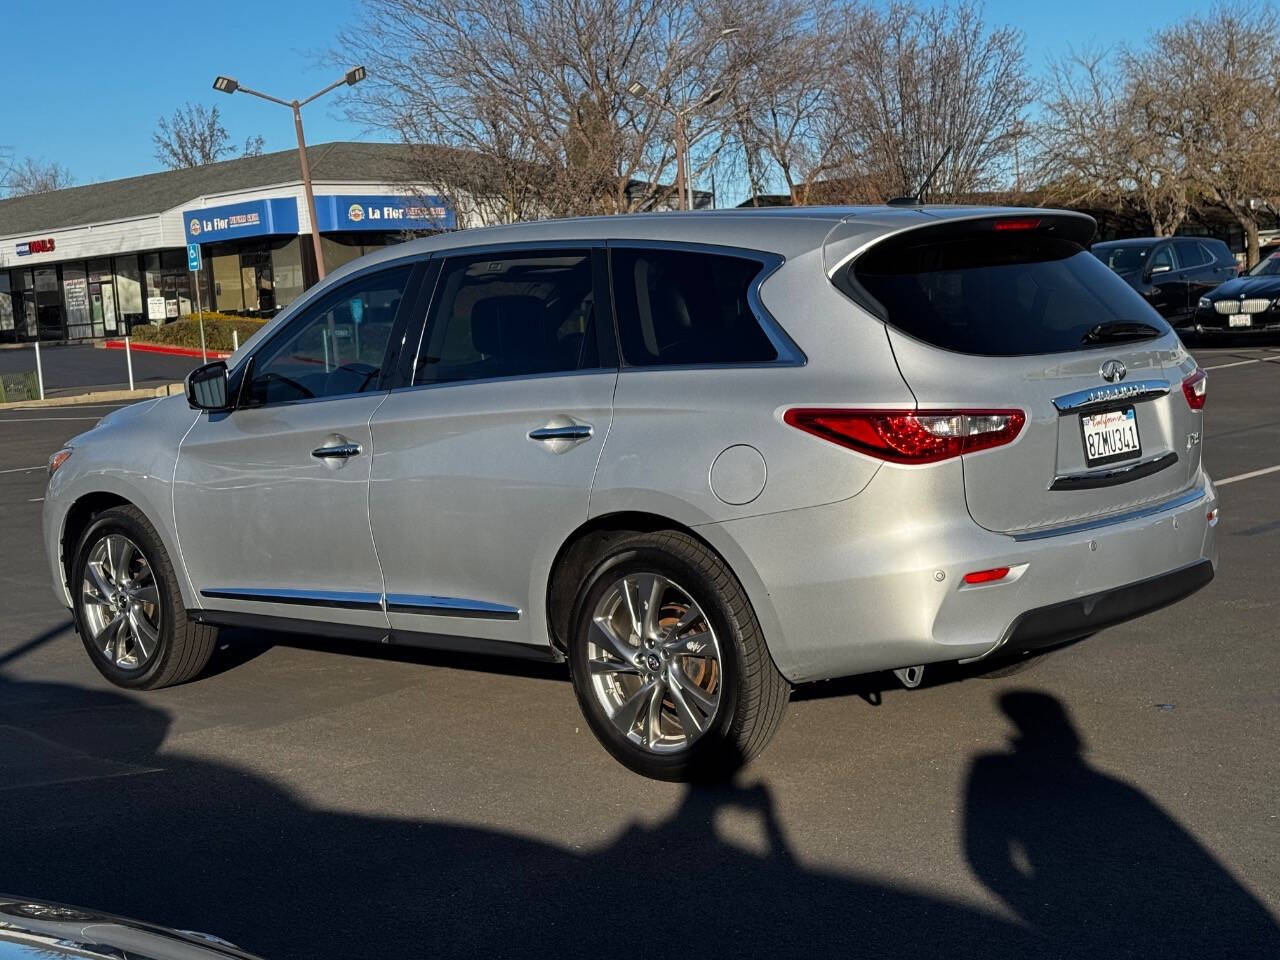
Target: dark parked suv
[1172, 273]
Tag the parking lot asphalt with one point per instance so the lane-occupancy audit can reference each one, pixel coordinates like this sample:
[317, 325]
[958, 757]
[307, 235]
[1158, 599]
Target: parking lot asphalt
[1121, 798]
[77, 368]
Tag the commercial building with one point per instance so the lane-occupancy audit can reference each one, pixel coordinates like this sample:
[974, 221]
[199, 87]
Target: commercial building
[96, 260]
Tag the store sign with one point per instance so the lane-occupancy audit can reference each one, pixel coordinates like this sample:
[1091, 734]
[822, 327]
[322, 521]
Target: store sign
[253, 218]
[35, 246]
[385, 212]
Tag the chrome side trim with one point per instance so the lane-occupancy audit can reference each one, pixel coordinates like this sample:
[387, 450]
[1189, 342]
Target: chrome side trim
[1108, 394]
[1182, 500]
[308, 598]
[1108, 478]
[450, 607]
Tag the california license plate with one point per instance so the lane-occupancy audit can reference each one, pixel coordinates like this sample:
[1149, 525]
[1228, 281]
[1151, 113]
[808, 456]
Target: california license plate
[1239, 320]
[1110, 436]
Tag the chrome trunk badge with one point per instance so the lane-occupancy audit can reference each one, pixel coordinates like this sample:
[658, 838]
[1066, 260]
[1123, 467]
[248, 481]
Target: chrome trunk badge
[1112, 371]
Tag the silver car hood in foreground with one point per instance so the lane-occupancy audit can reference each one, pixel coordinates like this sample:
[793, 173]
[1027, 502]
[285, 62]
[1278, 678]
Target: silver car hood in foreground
[33, 928]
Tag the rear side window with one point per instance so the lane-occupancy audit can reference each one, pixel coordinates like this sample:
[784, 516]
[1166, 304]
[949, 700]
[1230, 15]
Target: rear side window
[510, 315]
[1191, 253]
[1002, 294]
[686, 307]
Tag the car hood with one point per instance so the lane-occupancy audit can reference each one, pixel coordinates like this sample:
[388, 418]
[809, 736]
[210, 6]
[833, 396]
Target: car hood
[1246, 287]
[128, 413]
[37, 929]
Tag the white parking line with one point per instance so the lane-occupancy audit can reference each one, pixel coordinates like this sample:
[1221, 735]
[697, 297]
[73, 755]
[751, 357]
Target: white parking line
[36, 500]
[1248, 476]
[44, 419]
[24, 469]
[1241, 363]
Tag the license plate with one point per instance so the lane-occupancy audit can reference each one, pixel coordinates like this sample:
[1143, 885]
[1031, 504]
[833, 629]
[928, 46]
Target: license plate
[1239, 320]
[1110, 436]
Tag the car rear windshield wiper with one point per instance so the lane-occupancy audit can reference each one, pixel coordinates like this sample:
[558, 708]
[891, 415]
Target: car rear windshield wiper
[1114, 332]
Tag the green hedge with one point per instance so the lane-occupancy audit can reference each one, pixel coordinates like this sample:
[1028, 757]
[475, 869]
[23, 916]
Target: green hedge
[19, 386]
[185, 331]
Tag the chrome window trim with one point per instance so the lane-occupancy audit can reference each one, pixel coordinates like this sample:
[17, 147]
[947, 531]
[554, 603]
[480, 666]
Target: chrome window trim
[450, 607]
[1182, 500]
[343, 599]
[788, 351]
[1108, 395]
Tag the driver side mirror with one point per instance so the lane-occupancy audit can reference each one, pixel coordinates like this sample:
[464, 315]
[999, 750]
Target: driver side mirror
[207, 387]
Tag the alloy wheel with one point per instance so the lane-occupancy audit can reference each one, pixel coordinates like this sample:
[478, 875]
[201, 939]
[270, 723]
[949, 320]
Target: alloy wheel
[121, 603]
[655, 662]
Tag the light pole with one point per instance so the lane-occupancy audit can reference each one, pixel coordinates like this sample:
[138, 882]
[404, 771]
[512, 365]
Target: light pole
[351, 78]
[684, 169]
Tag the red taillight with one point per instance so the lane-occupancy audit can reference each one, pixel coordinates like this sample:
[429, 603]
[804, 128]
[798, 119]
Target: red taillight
[986, 576]
[1016, 223]
[911, 436]
[1195, 388]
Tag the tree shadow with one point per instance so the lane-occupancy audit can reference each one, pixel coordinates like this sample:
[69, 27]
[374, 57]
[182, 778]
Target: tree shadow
[1091, 863]
[193, 844]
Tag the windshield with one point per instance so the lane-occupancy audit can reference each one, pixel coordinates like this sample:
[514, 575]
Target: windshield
[1269, 267]
[1122, 259]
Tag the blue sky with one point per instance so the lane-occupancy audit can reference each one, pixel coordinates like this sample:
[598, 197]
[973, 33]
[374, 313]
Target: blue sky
[85, 81]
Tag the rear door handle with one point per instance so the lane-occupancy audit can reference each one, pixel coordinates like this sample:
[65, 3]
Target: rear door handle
[575, 432]
[338, 451]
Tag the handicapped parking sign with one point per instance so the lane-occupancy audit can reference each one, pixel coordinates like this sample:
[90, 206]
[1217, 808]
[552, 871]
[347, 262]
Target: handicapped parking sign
[193, 257]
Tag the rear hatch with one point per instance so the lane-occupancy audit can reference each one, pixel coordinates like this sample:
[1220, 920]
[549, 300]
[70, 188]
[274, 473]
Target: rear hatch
[1012, 312]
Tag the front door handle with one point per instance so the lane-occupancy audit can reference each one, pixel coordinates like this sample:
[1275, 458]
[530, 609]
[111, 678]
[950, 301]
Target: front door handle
[338, 451]
[575, 432]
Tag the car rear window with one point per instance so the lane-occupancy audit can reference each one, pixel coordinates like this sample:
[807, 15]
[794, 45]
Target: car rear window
[1001, 293]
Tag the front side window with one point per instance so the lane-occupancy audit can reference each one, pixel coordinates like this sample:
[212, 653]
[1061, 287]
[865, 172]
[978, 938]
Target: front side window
[686, 307]
[510, 315]
[336, 347]
[1163, 257]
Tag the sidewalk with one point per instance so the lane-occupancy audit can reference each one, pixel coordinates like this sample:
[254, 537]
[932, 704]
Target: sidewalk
[97, 396]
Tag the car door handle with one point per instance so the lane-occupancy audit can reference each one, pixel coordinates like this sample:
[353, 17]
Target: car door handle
[338, 451]
[574, 432]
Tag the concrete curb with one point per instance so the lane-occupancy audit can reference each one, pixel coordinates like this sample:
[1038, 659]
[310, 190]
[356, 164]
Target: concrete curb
[102, 396]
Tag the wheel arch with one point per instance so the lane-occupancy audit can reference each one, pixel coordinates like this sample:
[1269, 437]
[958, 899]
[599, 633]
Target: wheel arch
[575, 556]
[76, 521]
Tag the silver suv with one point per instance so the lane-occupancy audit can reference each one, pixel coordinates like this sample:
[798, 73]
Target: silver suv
[700, 457]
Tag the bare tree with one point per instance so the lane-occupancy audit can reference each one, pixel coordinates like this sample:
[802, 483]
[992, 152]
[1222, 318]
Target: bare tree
[1210, 86]
[528, 105]
[194, 136]
[1097, 144]
[29, 175]
[931, 91]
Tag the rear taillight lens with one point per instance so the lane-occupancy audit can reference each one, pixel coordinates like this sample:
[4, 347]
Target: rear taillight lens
[911, 436]
[1194, 388]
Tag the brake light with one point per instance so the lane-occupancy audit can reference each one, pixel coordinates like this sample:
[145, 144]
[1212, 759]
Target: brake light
[911, 436]
[1194, 388]
[1016, 223]
[986, 576]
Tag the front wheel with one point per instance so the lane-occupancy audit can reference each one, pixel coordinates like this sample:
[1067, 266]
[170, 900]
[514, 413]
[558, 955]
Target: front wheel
[669, 663]
[128, 608]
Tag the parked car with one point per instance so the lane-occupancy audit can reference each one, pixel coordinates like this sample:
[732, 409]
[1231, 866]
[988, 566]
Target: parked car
[1172, 274]
[40, 930]
[701, 457]
[1247, 304]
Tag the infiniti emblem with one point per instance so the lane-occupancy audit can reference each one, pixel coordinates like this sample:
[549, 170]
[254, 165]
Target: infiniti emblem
[1113, 371]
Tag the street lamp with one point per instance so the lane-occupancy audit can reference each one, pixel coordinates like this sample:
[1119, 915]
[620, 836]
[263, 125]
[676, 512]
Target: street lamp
[350, 78]
[684, 170]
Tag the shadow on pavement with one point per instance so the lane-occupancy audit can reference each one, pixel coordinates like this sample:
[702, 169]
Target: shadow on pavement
[1090, 866]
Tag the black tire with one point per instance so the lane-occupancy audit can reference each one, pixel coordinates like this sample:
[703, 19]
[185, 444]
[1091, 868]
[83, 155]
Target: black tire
[753, 695]
[183, 648]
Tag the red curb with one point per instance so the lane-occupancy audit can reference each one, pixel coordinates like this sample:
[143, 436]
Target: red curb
[172, 351]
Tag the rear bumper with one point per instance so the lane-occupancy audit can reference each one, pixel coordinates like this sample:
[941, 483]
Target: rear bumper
[877, 582]
[1072, 619]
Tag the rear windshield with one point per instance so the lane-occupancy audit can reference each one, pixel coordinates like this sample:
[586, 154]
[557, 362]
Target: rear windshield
[1002, 294]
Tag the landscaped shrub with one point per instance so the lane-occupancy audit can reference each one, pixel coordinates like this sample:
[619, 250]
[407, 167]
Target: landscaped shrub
[185, 331]
[19, 386]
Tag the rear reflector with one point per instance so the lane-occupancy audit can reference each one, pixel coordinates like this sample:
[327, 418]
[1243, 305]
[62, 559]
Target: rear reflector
[910, 436]
[1195, 389]
[986, 576]
[1016, 223]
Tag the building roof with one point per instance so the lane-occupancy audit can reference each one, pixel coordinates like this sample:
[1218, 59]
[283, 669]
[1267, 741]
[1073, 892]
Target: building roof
[157, 192]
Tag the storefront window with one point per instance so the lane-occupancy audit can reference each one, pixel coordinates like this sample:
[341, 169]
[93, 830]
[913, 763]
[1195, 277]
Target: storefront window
[342, 248]
[24, 304]
[128, 290]
[49, 304]
[7, 332]
[75, 298]
[228, 292]
[102, 298]
[286, 268]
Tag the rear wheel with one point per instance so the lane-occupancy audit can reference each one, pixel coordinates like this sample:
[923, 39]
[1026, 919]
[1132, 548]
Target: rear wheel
[669, 663]
[128, 608]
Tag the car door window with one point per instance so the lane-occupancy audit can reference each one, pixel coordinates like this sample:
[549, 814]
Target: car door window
[1163, 257]
[510, 315]
[1191, 254]
[335, 347]
[687, 307]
